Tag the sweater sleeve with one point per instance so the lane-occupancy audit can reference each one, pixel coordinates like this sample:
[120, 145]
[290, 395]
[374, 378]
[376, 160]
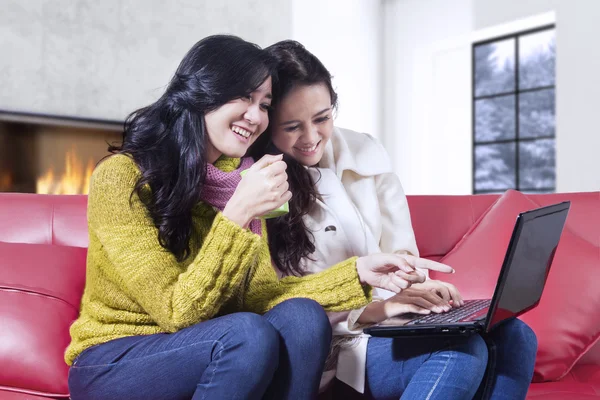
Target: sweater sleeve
[173, 294]
[336, 289]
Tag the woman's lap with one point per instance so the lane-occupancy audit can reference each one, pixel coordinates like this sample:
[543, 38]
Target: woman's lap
[412, 366]
[442, 368]
[241, 355]
[169, 365]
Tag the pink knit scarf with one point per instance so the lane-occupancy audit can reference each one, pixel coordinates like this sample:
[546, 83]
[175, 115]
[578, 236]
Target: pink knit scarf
[219, 186]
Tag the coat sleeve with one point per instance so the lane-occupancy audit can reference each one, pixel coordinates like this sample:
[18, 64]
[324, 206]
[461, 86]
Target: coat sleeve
[397, 235]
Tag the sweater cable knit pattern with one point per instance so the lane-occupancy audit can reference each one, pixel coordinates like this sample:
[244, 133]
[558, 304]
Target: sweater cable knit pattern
[136, 287]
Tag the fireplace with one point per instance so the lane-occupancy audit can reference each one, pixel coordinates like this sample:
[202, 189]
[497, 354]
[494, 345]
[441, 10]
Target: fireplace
[51, 155]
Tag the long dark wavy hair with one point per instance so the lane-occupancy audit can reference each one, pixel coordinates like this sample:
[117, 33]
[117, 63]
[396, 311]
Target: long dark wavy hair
[168, 139]
[290, 240]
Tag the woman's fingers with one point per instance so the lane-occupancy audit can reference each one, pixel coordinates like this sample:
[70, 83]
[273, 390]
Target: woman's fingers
[390, 262]
[402, 264]
[435, 299]
[265, 161]
[436, 303]
[412, 277]
[420, 272]
[398, 282]
[384, 281]
[389, 285]
[457, 299]
[424, 303]
[415, 309]
[444, 292]
[423, 263]
[283, 186]
[275, 169]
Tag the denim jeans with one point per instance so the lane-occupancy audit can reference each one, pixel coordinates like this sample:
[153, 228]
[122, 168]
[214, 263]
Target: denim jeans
[496, 366]
[512, 347]
[239, 356]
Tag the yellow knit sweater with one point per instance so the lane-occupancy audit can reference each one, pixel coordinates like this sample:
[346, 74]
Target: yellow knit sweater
[135, 287]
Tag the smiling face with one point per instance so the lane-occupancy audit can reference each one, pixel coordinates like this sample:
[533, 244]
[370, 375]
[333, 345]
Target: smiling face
[303, 123]
[234, 126]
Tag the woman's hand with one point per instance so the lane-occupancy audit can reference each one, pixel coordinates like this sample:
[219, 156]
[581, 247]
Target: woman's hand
[411, 300]
[263, 188]
[445, 290]
[395, 272]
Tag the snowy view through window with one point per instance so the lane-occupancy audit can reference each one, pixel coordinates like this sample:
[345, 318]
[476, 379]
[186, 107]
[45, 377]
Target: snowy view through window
[514, 113]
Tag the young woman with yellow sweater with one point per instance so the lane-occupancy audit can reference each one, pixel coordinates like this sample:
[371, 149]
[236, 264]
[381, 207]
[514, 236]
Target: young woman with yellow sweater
[179, 271]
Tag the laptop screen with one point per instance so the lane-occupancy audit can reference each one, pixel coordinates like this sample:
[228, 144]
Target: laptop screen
[534, 248]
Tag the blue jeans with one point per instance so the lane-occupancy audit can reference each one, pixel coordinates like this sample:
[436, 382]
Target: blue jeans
[499, 366]
[239, 356]
[512, 347]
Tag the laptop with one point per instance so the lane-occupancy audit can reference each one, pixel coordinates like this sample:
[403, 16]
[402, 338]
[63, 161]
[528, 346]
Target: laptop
[519, 288]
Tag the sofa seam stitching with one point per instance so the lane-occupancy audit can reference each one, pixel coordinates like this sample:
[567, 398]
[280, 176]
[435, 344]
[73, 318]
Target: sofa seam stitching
[34, 293]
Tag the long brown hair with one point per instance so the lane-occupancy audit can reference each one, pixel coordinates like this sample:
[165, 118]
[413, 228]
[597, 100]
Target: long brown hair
[168, 139]
[290, 240]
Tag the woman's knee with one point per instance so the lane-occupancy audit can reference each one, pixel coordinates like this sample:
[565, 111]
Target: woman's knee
[474, 350]
[516, 336]
[254, 329]
[253, 338]
[521, 332]
[307, 316]
[302, 324]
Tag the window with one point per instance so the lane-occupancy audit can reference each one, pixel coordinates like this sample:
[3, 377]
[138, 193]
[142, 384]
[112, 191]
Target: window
[514, 113]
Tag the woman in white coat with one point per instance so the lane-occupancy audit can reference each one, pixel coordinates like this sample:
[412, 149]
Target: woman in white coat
[348, 202]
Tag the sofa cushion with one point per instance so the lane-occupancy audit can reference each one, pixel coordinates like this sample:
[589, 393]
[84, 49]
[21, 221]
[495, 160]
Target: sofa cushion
[582, 382]
[40, 290]
[11, 395]
[566, 320]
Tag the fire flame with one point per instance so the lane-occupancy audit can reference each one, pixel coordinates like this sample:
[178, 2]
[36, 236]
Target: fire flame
[5, 181]
[75, 180]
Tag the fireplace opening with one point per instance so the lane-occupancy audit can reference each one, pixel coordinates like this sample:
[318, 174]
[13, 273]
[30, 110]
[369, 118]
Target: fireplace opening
[52, 155]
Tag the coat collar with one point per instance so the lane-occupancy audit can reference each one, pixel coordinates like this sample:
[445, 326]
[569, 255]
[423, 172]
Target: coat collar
[357, 152]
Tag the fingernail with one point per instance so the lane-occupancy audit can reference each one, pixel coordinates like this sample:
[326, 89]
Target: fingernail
[453, 271]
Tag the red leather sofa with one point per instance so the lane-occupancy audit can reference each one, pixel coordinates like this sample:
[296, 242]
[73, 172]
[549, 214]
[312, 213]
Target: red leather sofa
[42, 272]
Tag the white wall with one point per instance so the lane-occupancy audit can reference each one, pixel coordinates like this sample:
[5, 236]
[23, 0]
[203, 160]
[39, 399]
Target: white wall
[104, 59]
[427, 63]
[425, 93]
[346, 36]
[487, 13]
[578, 97]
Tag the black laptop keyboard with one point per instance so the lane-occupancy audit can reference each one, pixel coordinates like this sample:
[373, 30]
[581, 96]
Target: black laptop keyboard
[454, 315]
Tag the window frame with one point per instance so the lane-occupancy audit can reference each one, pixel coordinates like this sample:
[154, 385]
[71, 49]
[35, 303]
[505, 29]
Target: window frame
[516, 93]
